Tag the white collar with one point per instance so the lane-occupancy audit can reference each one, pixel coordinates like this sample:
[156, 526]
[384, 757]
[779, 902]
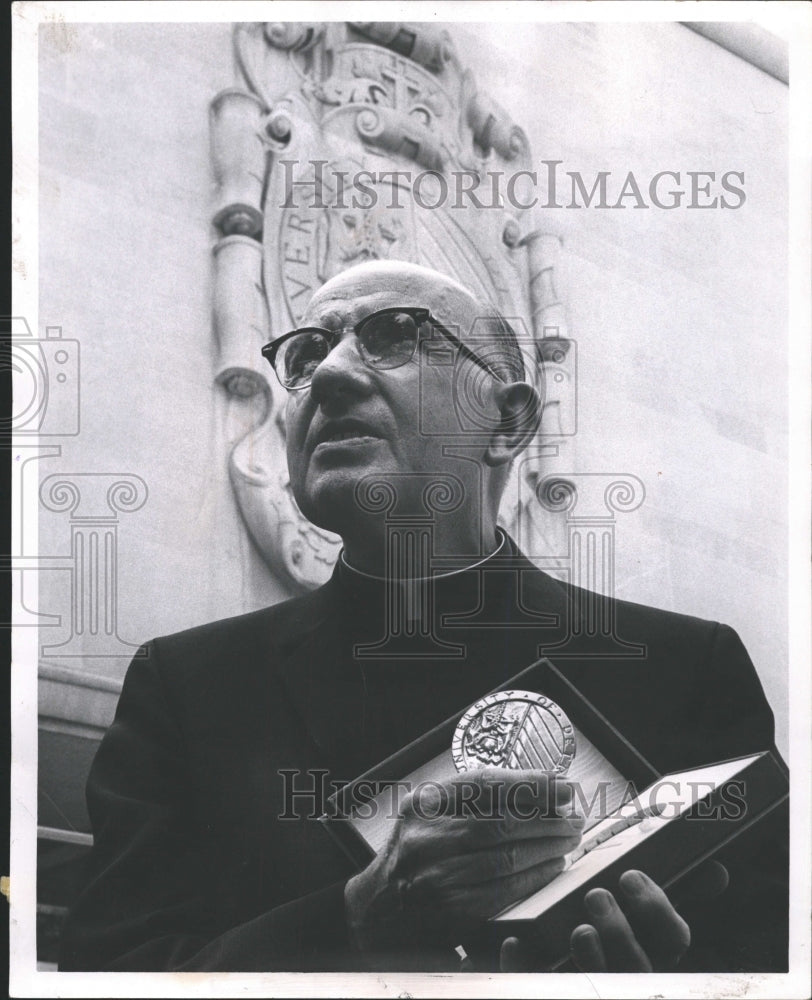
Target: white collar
[436, 576]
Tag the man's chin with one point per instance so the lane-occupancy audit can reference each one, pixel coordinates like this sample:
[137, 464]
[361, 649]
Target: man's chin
[330, 500]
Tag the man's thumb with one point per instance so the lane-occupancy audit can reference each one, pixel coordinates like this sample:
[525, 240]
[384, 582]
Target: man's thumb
[512, 956]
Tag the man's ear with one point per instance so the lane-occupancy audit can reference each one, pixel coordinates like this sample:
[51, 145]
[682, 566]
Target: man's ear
[520, 408]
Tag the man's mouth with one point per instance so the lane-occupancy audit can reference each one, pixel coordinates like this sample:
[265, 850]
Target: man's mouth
[345, 436]
[344, 431]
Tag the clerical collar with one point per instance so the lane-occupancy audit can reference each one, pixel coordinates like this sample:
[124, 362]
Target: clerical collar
[436, 576]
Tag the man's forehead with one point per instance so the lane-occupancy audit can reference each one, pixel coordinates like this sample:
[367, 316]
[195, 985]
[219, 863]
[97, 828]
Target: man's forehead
[358, 291]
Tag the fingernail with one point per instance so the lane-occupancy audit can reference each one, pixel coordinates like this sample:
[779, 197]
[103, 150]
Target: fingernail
[633, 883]
[599, 902]
[563, 791]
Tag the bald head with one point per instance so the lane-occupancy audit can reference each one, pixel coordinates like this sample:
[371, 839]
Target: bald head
[418, 284]
[359, 289]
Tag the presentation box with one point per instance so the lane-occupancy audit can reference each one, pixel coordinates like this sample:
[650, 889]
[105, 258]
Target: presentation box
[663, 824]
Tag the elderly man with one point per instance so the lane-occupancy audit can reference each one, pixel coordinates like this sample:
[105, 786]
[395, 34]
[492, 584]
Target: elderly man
[198, 863]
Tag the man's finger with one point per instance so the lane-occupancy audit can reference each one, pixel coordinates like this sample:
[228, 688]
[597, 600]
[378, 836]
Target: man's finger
[620, 946]
[586, 949]
[499, 862]
[495, 791]
[661, 931]
[424, 843]
[514, 956]
[488, 832]
[490, 898]
[453, 909]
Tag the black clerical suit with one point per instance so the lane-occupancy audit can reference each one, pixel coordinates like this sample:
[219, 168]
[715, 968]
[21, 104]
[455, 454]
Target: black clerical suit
[192, 867]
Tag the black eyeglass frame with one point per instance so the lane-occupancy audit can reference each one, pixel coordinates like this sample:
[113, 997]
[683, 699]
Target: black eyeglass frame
[420, 315]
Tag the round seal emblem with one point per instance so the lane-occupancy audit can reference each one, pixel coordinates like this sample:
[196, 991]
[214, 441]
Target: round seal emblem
[514, 729]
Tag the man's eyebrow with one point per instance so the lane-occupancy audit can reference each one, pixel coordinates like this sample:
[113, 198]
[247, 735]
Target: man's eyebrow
[338, 318]
[331, 319]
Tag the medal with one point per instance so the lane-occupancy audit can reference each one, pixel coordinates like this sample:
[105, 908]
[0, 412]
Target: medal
[514, 729]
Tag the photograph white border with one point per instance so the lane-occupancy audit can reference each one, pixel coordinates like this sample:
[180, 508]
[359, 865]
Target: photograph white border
[791, 20]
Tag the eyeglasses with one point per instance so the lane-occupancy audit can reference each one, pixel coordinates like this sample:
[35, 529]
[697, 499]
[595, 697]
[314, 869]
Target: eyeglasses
[387, 339]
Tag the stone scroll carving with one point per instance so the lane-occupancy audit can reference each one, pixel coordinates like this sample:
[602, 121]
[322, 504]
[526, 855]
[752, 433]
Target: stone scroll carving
[316, 105]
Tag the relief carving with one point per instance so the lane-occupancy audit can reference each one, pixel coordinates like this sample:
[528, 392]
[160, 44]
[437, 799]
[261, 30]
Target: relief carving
[317, 106]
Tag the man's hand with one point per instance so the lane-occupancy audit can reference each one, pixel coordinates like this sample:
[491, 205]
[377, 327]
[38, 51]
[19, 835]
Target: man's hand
[498, 836]
[640, 931]
[635, 930]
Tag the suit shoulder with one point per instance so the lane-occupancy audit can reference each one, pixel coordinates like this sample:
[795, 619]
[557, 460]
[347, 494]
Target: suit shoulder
[633, 611]
[669, 621]
[278, 628]
[651, 625]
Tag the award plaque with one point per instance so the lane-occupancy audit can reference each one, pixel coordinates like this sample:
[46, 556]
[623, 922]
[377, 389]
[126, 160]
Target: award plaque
[536, 719]
[664, 825]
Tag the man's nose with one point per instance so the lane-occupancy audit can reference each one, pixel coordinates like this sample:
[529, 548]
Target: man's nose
[342, 373]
